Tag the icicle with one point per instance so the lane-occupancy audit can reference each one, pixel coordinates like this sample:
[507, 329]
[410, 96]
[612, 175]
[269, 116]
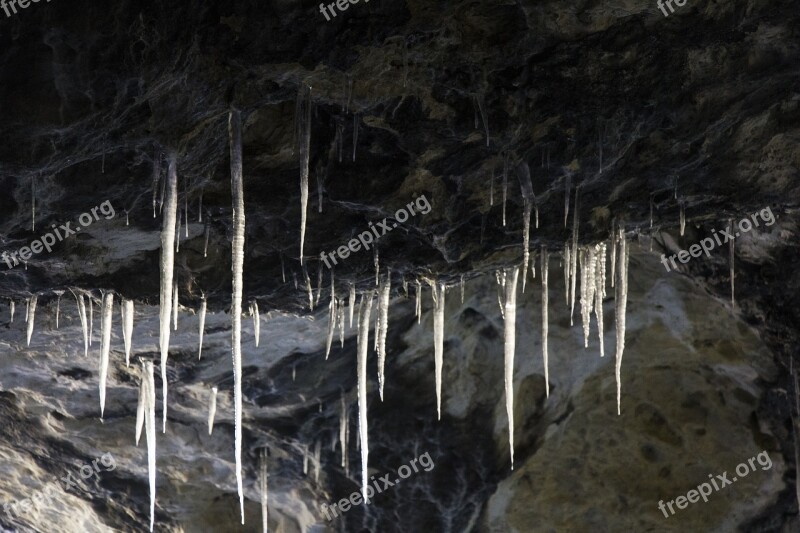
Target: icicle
[462, 288]
[305, 149]
[419, 302]
[256, 321]
[351, 303]
[316, 461]
[11, 305]
[651, 211]
[377, 262]
[127, 218]
[332, 315]
[156, 177]
[212, 409]
[383, 318]
[58, 305]
[510, 314]
[524, 175]
[105, 346]
[600, 293]
[536, 212]
[84, 325]
[237, 193]
[175, 304]
[613, 245]
[363, 343]
[573, 269]
[340, 309]
[491, 190]
[683, 218]
[127, 328]
[505, 186]
[567, 188]
[203, 307]
[207, 235]
[140, 406]
[319, 283]
[731, 258]
[91, 318]
[283, 269]
[567, 265]
[264, 492]
[438, 340]
[500, 276]
[150, 431]
[31, 315]
[27, 309]
[355, 135]
[305, 459]
[309, 290]
[588, 285]
[167, 267]
[545, 326]
[294, 276]
[621, 303]
[343, 433]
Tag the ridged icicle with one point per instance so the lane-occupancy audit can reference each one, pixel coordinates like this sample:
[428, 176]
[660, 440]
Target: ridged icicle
[620, 304]
[600, 293]
[510, 300]
[150, 431]
[237, 249]
[167, 266]
[363, 345]
[545, 258]
[31, 315]
[212, 409]
[418, 306]
[524, 175]
[383, 319]
[588, 259]
[105, 346]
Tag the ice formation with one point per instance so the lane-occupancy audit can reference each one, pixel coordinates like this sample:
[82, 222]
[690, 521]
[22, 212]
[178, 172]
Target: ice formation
[150, 431]
[202, 320]
[383, 320]
[363, 345]
[437, 291]
[256, 321]
[105, 346]
[303, 119]
[264, 491]
[573, 268]
[545, 258]
[167, 266]
[510, 315]
[175, 304]
[237, 194]
[58, 305]
[84, 325]
[524, 175]
[351, 302]
[31, 314]
[621, 302]
[212, 409]
[127, 327]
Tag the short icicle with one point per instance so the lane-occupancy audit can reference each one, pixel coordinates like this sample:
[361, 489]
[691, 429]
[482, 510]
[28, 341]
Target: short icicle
[31, 315]
[127, 327]
[212, 409]
[256, 321]
[203, 308]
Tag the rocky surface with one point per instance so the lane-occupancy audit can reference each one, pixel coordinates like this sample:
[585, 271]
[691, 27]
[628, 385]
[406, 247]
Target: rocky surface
[645, 113]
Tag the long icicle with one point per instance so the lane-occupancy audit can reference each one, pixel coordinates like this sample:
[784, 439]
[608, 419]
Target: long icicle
[167, 267]
[237, 194]
[212, 409]
[203, 307]
[105, 346]
[573, 269]
[510, 314]
[150, 430]
[545, 258]
[91, 317]
[31, 315]
[305, 149]
[264, 492]
[437, 292]
[363, 344]
[58, 306]
[383, 317]
[140, 406]
[600, 293]
[84, 324]
[127, 328]
[621, 305]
